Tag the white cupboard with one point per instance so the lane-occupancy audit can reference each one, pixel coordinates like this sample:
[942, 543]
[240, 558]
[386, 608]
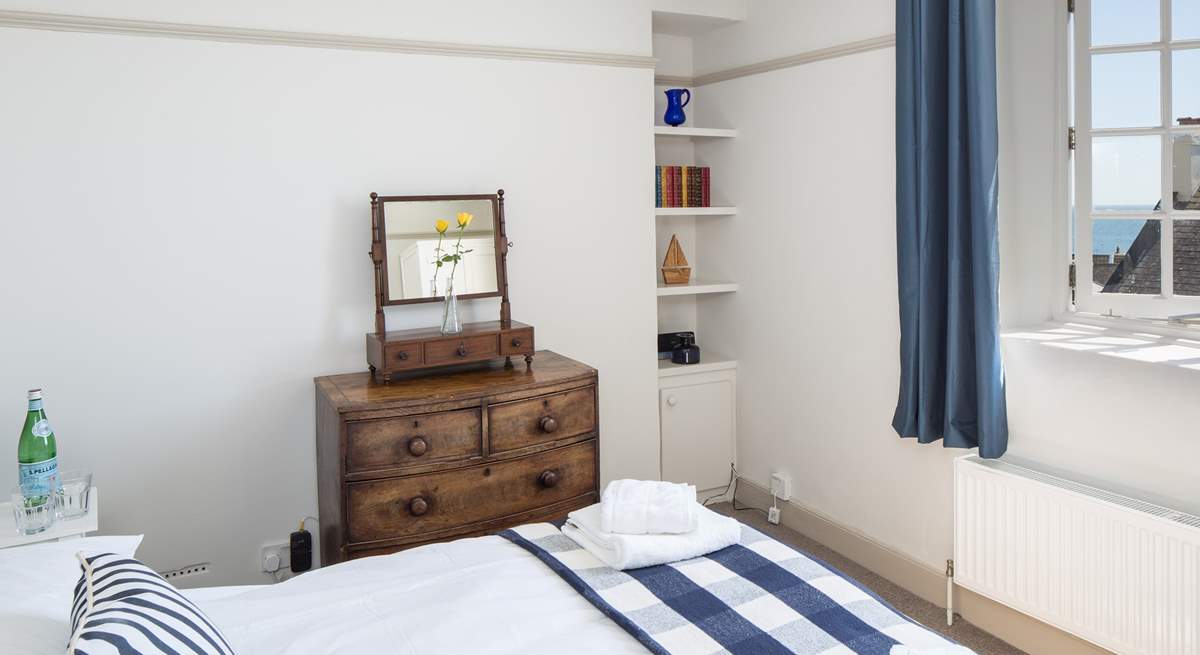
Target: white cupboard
[697, 426]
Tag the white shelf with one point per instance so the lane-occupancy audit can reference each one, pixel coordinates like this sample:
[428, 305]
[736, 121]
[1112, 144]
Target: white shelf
[696, 287]
[76, 527]
[695, 211]
[709, 361]
[702, 132]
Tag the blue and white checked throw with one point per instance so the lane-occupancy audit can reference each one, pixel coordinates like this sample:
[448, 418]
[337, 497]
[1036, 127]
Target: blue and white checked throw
[759, 596]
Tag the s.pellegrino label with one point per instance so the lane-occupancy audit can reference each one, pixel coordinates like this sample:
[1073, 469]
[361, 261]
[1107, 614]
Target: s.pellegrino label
[37, 452]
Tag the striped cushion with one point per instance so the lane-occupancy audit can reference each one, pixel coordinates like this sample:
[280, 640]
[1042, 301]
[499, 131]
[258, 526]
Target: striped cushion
[123, 607]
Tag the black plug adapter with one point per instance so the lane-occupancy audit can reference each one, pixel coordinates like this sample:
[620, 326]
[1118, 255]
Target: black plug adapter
[300, 546]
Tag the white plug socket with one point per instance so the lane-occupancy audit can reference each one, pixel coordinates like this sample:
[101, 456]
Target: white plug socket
[276, 557]
[781, 486]
[773, 515]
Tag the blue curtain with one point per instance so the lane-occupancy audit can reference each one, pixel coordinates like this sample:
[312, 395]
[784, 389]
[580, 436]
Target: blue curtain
[952, 378]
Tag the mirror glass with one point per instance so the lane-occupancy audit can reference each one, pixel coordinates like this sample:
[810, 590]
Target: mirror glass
[413, 247]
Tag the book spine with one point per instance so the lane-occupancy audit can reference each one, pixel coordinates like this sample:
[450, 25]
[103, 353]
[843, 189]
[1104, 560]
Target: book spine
[678, 186]
[686, 172]
[658, 186]
[705, 187]
[697, 183]
[669, 185]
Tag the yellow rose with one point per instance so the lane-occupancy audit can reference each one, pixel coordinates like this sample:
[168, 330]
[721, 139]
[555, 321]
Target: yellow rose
[464, 219]
[441, 226]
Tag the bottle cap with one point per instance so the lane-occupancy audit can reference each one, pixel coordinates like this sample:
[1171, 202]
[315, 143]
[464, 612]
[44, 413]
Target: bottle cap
[35, 394]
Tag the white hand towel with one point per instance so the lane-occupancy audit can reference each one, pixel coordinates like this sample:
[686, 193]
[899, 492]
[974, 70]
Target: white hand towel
[648, 507]
[631, 551]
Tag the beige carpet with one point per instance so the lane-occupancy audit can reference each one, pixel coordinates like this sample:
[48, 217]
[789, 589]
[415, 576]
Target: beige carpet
[916, 608]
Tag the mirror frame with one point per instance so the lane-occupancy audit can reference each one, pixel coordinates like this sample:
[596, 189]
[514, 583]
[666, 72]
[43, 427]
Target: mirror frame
[378, 254]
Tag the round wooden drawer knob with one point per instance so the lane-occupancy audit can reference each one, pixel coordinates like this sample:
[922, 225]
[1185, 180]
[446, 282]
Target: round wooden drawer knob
[548, 424]
[548, 479]
[516, 343]
[403, 355]
[417, 446]
[462, 350]
[418, 506]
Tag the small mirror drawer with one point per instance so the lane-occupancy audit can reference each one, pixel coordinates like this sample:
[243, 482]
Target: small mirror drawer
[513, 342]
[412, 440]
[403, 355]
[419, 504]
[465, 349]
[542, 419]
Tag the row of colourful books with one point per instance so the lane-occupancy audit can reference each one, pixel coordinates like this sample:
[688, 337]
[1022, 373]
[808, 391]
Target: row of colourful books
[681, 186]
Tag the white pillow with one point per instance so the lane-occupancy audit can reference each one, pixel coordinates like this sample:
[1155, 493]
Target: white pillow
[37, 583]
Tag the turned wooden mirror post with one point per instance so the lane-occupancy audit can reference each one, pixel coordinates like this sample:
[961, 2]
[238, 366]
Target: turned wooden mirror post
[502, 239]
[376, 256]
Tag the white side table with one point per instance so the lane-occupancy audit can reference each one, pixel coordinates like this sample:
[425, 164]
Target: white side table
[61, 530]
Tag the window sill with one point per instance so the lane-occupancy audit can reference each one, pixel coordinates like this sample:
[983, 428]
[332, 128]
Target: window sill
[1119, 339]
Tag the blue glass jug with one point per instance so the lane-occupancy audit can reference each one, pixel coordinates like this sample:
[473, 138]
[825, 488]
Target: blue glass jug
[675, 104]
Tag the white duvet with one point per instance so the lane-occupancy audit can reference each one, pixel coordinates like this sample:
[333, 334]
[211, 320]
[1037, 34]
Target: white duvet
[483, 595]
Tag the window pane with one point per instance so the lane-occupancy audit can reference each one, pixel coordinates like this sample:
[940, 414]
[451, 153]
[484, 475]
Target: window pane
[1185, 17]
[1124, 21]
[1187, 257]
[1185, 160]
[1126, 173]
[1126, 256]
[1185, 74]
[1125, 90]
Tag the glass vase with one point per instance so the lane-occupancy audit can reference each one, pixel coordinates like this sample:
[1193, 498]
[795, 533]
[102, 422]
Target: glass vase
[450, 322]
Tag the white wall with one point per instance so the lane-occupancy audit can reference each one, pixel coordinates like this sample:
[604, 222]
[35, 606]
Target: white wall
[1098, 414]
[781, 28]
[814, 324]
[584, 25]
[183, 237]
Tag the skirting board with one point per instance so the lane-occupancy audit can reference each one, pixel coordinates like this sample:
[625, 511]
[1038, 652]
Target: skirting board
[1016, 628]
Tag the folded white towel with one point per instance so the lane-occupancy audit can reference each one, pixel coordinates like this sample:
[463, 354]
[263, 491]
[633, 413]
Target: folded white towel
[631, 551]
[648, 507]
[938, 650]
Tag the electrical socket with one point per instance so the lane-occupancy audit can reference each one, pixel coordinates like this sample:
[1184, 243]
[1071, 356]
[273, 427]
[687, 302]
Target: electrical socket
[781, 485]
[773, 515]
[276, 557]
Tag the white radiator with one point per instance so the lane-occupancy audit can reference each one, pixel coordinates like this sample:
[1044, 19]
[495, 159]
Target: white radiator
[1119, 572]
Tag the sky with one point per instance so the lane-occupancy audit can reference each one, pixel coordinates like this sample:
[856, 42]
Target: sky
[1125, 93]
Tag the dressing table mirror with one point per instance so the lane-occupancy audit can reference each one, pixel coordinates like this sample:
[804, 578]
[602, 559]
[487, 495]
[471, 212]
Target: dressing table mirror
[405, 249]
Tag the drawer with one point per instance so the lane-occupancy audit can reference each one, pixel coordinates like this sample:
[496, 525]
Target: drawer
[412, 440]
[403, 355]
[418, 504]
[550, 514]
[535, 421]
[465, 349]
[513, 342]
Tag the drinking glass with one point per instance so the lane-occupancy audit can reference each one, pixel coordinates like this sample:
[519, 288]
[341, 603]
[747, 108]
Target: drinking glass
[33, 514]
[73, 499]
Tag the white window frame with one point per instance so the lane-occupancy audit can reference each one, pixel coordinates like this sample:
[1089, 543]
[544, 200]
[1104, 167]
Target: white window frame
[1135, 306]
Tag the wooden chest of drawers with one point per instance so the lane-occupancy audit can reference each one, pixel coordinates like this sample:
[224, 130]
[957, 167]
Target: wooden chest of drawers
[454, 454]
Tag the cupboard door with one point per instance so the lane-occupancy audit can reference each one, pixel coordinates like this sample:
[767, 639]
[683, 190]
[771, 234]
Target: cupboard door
[697, 425]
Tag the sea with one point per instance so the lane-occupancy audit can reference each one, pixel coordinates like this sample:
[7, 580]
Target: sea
[1110, 234]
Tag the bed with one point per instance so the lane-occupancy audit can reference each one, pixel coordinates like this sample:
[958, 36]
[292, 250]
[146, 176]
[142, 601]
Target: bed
[488, 594]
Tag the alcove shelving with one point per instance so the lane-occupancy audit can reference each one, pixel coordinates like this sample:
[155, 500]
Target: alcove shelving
[697, 402]
[695, 132]
[685, 145]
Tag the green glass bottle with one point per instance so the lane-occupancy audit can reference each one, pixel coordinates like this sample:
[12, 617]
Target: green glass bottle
[37, 453]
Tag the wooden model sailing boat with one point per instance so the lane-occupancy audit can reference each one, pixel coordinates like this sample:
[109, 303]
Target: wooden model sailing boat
[675, 269]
